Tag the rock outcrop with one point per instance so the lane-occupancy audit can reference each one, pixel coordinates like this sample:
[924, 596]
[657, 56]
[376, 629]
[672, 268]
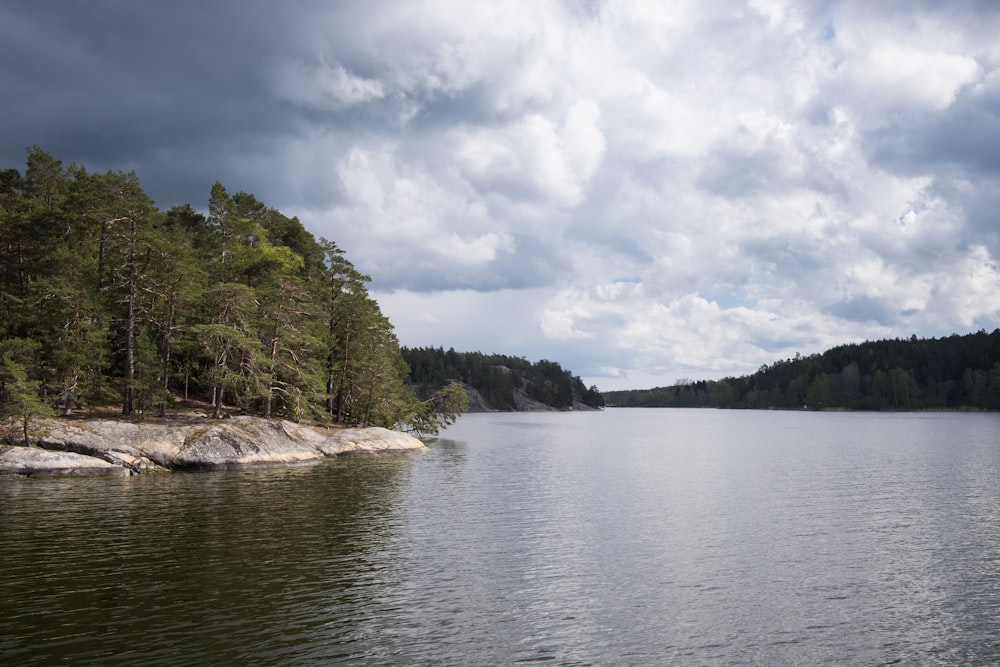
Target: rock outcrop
[35, 462]
[110, 446]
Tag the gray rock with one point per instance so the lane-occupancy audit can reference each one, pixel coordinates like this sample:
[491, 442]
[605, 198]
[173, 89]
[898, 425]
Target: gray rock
[250, 440]
[35, 462]
[370, 440]
[92, 445]
[115, 440]
[242, 441]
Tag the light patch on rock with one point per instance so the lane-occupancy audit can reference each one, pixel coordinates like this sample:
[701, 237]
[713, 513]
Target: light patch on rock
[35, 462]
[121, 447]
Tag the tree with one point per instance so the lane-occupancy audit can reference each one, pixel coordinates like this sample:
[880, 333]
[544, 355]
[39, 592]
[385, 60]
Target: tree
[593, 398]
[819, 394]
[442, 409]
[20, 394]
[290, 336]
[174, 291]
[71, 327]
[129, 212]
[345, 304]
[14, 245]
[232, 345]
[244, 306]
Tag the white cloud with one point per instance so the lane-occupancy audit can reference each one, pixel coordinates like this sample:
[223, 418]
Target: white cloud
[890, 76]
[903, 63]
[718, 155]
[971, 291]
[560, 326]
[637, 189]
[535, 157]
[477, 250]
[359, 172]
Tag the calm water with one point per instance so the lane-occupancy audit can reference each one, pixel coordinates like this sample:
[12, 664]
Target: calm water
[627, 537]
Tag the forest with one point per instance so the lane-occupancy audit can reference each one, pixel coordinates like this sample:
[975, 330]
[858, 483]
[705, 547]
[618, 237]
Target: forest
[499, 379]
[107, 300]
[958, 372]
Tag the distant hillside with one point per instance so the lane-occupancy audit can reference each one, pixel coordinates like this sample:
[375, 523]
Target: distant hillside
[955, 372]
[499, 382]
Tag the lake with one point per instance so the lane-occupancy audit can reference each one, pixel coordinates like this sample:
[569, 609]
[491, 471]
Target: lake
[623, 537]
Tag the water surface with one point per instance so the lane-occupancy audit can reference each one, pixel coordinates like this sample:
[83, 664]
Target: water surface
[621, 537]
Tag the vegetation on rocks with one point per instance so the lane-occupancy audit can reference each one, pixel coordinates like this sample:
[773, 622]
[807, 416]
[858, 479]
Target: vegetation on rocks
[106, 299]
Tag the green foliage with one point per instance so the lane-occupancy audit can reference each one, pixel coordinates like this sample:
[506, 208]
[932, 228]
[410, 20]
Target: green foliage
[955, 372]
[242, 309]
[20, 393]
[443, 408]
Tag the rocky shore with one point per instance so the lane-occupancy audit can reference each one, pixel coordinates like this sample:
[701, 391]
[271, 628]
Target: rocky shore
[87, 447]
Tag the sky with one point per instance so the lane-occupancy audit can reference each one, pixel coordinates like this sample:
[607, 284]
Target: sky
[643, 192]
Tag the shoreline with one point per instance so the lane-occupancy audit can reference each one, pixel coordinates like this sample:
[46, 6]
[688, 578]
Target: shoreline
[89, 447]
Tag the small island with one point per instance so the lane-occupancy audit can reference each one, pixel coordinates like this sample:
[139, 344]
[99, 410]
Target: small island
[113, 313]
[134, 339]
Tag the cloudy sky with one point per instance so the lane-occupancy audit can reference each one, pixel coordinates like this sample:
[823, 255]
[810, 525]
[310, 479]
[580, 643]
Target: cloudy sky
[641, 191]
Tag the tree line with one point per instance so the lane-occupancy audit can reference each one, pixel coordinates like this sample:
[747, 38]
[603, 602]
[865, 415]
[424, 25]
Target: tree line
[498, 378]
[953, 372]
[104, 298]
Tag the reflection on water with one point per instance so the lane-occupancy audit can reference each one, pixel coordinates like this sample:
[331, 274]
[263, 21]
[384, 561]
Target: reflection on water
[211, 568]
[622, 537]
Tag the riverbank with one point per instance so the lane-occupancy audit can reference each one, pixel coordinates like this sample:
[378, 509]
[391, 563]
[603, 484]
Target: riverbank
[95, 447]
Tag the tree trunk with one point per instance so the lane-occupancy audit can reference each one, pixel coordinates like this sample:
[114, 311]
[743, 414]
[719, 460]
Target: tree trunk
[270, 389]
[368, 403]
[100, 253]
[165, 351]
[128, 402]
[331, 364]
[343, 380]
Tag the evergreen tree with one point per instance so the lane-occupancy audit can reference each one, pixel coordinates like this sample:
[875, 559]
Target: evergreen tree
[99, 290]
[236, 369]
[20, 399]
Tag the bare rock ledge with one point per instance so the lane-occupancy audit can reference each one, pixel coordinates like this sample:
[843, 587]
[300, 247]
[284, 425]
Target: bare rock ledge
[117, 447]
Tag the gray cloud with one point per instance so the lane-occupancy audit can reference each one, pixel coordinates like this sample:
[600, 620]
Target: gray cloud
[647, 191]
[866, 309]
[966, 135]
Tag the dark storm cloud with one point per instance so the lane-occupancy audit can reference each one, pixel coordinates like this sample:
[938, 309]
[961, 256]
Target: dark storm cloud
[173, 90]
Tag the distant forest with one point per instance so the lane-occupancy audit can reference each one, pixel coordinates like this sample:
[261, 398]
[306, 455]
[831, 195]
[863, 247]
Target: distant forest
[955, 372]
[499, 378]
[107, 300]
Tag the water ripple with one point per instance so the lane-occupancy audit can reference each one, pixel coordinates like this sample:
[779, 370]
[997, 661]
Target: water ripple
[625, 537]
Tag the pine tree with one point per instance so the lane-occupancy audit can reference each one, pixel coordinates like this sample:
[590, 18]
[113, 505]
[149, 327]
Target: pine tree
[20, 400]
